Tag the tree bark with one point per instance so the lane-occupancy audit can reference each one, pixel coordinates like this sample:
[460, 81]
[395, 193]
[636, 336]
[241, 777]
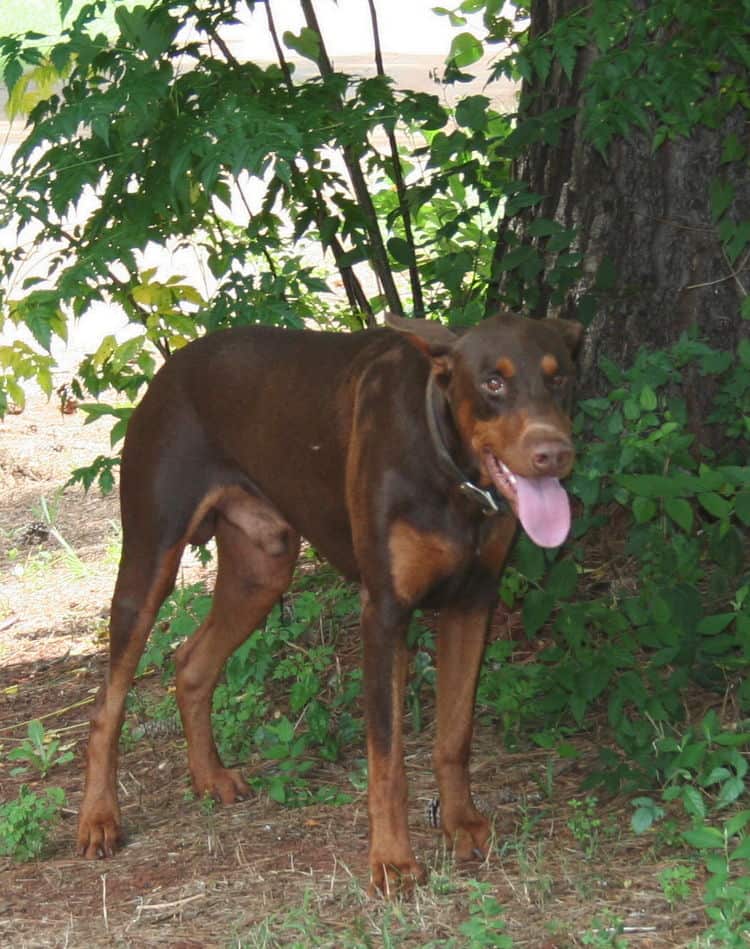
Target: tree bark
[642, 217]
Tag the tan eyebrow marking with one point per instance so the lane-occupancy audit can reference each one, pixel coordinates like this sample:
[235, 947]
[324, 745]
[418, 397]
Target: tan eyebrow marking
[549, 365]
[506, 367]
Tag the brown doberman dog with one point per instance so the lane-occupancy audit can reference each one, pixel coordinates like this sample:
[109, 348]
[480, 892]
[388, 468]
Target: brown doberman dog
[405, 457]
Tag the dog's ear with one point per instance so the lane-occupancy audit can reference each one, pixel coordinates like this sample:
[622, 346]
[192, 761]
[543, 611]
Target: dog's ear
[429, 337]
[570, 330]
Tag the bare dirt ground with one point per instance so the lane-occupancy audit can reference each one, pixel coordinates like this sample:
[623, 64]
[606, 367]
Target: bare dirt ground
[258, 874]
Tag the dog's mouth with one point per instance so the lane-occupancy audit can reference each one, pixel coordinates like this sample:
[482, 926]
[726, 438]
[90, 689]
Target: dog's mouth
[541, 504]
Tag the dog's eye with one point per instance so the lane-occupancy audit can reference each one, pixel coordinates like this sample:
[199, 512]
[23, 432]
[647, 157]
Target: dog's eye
[495, 385]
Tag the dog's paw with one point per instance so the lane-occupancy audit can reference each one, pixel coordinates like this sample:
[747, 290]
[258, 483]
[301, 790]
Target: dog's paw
[99, 831]
[465, 828]
[223, 784]
[469, 834]
[390, 880]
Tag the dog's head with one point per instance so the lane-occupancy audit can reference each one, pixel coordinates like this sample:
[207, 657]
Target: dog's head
[509, 383]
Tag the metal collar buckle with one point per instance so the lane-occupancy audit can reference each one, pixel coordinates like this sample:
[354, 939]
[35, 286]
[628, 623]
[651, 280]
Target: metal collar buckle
[488, 501]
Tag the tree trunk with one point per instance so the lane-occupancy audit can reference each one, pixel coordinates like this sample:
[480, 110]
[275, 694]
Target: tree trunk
[653, 262]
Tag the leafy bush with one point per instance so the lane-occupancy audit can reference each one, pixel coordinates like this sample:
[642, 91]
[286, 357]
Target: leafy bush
[26, 822]
[669, 604]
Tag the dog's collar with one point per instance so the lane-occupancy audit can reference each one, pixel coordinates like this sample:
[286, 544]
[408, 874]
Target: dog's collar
[489, 501]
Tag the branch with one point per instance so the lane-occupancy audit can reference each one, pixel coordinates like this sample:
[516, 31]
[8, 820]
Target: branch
[356, 175]
[403, 203]
[355, 294]
[228, 55]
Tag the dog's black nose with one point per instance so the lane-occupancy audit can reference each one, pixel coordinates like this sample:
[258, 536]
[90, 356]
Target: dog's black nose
[552, 458]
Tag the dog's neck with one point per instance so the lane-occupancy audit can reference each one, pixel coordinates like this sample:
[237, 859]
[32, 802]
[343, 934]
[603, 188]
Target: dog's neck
[488, 500]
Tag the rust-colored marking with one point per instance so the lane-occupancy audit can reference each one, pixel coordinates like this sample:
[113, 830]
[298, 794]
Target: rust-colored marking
[418, 559]
[502, 435]
[466, 419]
[549, 365]
[506, 367]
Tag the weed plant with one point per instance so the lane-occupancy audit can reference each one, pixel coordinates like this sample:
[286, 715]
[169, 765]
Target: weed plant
[25, 823]
[39, 750]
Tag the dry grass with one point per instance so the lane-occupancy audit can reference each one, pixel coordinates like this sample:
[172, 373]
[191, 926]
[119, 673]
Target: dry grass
[256, 872]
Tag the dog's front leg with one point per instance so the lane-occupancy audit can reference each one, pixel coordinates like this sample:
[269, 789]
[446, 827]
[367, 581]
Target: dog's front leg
[461, 638]
[393, 865]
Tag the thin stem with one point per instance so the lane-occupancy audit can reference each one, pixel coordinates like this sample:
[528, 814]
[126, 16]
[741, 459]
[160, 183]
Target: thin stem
[378, 252]
[355, 293]
[403, 202]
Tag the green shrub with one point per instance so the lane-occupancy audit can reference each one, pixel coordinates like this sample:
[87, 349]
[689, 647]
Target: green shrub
[26, 822]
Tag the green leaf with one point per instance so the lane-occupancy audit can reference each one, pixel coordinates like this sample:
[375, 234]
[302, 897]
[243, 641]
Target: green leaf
[643, 818]
[681, 512]
[644, 510]
[742, 852]
[567, 55]
[529, 559]
[721, 195]
[471, 112]
[399, 249]
[692, 801]
[537, 606]
[544, 227]
[521, 200]
[465, 50]
[710, 625]
[652, 486]
[516, 257]
[306, 43]
[36, 732]
[737, 822]
[277, 790]
[716, 776]
[715, 505]
[562, 580]
[730, 791]
[11, 74]
[732, 148]
[732, 739]
[738, 241]
[117, 432]
[64, 8]
[648, 399]
[742, 507]
[541, 58]
[606, 274]
[704, 838]
[578, 705]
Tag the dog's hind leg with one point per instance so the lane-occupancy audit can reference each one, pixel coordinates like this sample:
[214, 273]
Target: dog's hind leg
[166, 501]
[257, 551]
[143, 582]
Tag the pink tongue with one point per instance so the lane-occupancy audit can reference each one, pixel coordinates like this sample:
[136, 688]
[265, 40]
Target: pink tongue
[543, 509]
